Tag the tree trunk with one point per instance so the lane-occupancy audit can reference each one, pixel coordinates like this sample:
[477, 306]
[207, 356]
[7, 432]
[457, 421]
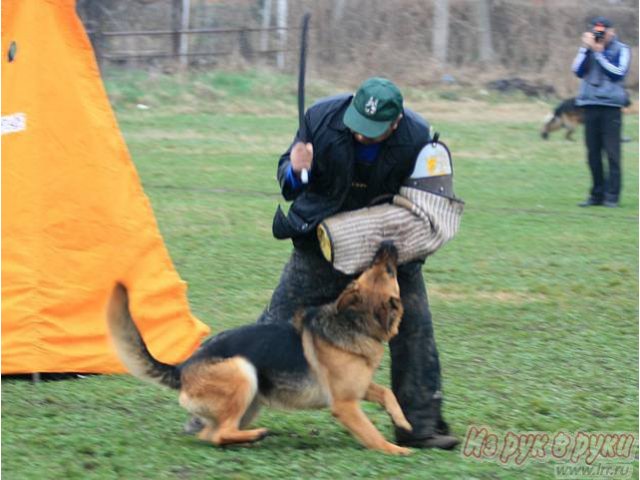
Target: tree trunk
[181, 10]
[440, 31]
[485, 43]
[266, 22]
[282, 32]
[338, 11]
[95, 16]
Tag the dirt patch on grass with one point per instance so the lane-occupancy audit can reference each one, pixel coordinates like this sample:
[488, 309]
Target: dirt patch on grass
[479, 111]
[500, 296]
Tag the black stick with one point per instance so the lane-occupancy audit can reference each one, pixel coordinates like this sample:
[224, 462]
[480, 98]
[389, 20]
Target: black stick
[303, 63]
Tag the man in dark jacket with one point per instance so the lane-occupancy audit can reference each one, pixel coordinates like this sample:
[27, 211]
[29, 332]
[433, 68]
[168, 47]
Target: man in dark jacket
[356, 149]
[602, 63]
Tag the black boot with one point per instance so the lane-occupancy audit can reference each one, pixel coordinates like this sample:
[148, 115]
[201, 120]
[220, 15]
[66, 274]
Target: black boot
[430, 429]
[590, 202]
[443, 442]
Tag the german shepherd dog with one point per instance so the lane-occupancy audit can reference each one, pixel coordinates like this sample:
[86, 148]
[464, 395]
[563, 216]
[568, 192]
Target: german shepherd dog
[566, 115]
[326, 357]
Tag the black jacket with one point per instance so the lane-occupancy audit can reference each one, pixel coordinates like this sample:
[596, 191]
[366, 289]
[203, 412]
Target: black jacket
[333, 166]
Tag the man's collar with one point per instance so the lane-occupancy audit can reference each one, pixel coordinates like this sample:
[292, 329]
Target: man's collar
[337, 123]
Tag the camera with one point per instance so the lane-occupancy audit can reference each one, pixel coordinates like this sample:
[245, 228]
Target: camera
[598, 35]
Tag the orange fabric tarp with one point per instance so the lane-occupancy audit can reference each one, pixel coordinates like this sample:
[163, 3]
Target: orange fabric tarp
[74, 216]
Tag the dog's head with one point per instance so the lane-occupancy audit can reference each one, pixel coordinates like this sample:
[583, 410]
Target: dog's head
[551, 124]
[376, 294]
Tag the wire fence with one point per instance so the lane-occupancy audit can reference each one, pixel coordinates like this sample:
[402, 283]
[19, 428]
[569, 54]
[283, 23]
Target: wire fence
[351, 39]
[107, 52]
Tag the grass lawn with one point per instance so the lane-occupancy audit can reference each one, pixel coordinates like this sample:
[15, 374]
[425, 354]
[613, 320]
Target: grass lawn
[535, 303]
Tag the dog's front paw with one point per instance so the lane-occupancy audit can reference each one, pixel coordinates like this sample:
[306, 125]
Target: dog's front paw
[397, 450]
[404, 424]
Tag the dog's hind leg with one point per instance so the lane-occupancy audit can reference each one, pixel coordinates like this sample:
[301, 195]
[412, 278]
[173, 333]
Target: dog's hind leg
[251, 413]
[229, 433]
[385, 398]
[223, 393]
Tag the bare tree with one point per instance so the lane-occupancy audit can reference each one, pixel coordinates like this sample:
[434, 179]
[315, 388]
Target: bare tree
[338, 11]
[94, 13]
[181, 10]
[483, 15]
[282, 32]
[440, 32]
[266, 22]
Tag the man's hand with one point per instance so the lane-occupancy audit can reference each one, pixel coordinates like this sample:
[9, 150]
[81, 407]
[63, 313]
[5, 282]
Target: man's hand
[301, 157]
[589, 41]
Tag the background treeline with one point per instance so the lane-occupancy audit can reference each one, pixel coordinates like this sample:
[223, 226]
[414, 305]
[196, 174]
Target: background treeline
[416, 42]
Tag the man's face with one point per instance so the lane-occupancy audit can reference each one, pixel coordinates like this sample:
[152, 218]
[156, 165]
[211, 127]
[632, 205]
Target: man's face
[606, 34]
[370, 141]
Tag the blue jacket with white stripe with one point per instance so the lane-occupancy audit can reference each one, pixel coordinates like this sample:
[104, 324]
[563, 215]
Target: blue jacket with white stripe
[602, 75]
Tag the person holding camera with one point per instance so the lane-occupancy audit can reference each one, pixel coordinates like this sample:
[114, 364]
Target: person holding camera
[602, 64]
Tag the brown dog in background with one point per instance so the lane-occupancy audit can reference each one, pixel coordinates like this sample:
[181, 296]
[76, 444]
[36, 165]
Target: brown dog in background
[326, 357]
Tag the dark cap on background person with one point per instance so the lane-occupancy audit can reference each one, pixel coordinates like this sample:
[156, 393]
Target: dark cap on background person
[375, 106]
[601, 22]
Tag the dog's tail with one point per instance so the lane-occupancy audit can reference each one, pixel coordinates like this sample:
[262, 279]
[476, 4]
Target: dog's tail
[130, 346]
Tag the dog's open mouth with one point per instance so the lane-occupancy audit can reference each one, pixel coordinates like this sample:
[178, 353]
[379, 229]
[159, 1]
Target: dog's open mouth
[387, 253]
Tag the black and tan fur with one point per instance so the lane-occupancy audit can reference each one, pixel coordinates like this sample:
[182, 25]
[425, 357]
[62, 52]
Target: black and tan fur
[566, 115]
[325, 358]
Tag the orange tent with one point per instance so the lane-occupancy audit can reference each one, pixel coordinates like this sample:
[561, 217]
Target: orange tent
[74, 216]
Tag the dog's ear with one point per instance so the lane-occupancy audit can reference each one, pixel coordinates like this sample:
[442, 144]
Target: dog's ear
[350, 297]
[389, 314]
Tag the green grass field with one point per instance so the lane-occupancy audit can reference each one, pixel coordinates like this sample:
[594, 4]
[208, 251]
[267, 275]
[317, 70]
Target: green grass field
[535, 303]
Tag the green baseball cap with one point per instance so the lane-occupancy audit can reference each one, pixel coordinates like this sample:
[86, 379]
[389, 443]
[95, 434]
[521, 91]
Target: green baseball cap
[375, 106]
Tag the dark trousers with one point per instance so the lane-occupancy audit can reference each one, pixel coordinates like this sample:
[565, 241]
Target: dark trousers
[603, 127]
[309, 280]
